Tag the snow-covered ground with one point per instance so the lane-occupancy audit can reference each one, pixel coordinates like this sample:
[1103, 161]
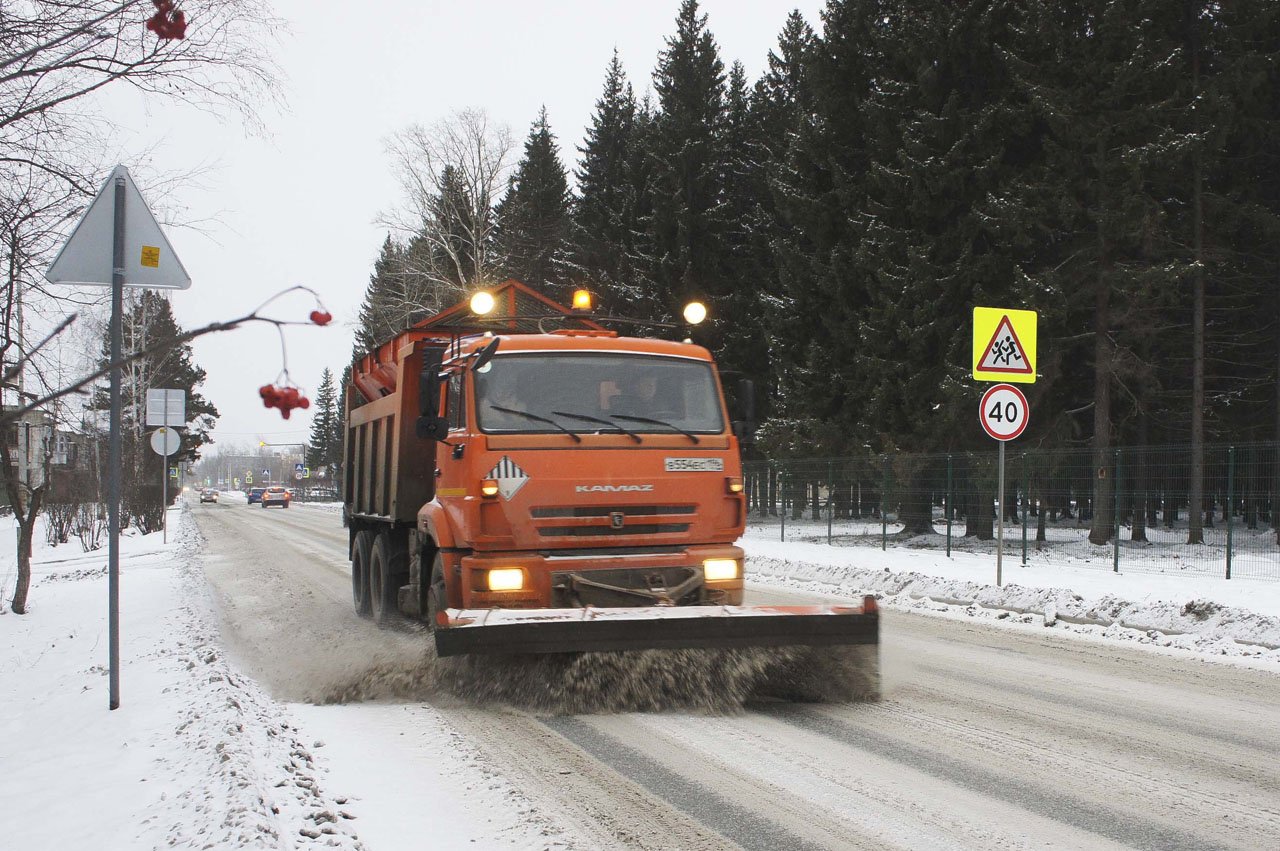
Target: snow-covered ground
[199, 756]
[1236, 619]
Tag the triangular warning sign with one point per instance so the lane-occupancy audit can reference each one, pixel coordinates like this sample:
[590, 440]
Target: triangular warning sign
[149, 259]
[1005, 353]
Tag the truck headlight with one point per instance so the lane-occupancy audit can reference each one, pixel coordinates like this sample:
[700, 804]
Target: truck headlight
[717, 569]
[506, 579]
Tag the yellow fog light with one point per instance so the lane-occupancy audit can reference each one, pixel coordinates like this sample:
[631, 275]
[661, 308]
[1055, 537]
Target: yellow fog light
[506, 579]
[489, 487]
[719, 569]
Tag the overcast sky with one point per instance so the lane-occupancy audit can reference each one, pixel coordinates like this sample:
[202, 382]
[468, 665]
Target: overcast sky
[299, 205]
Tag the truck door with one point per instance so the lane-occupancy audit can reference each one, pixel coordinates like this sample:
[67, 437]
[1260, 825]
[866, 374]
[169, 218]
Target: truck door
[452, 460]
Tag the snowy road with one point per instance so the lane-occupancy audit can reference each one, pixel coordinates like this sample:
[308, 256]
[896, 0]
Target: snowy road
[993, 738]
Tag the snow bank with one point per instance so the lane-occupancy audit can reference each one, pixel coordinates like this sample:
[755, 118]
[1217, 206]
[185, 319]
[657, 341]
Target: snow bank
[1191, 613]
[195, 757]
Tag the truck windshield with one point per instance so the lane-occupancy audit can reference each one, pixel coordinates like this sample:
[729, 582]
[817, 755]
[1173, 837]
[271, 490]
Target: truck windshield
[648, 393]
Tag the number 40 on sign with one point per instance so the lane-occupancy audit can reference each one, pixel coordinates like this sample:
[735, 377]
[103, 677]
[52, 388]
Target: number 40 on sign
[1003, 412]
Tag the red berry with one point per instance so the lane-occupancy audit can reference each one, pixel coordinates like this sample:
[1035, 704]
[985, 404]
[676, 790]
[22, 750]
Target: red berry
[304, 403]
[321, 317]
[284, 412]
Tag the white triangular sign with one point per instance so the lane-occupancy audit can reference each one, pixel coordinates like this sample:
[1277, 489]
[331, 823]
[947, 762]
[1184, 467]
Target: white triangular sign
[1005, 352]
[149, 259]
[509, 476]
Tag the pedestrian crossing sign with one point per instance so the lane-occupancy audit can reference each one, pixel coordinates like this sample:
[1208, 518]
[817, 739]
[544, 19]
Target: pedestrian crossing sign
[1004, 345]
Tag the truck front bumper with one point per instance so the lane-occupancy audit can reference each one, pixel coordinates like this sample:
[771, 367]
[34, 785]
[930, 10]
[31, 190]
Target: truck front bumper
[513, 631]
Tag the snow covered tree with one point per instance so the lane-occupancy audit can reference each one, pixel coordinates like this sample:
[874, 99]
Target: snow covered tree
[687, 224]
[149, 324]
[603, 217]
[532, 220]
[389, 304]
[322, 450]
[451, 174]
[819, 195]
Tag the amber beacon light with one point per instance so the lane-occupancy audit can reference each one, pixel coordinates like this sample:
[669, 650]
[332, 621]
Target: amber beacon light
[482, 303]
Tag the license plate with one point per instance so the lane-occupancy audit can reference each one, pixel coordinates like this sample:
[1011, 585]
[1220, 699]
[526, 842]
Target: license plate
[694, 465]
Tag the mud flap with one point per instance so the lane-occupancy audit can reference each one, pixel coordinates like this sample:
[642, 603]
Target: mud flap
[517, 631]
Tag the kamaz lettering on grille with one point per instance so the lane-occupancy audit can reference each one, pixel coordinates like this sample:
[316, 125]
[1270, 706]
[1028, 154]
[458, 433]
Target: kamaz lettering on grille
[613, 488]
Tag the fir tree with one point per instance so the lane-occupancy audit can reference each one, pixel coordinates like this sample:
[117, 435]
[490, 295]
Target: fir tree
[820, 196]
[533, 217]
[687, 223]
[149, 323]
[322, 451]
[603, 225]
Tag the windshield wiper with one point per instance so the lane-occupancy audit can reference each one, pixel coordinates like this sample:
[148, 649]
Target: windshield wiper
[631, 434]
[652, 421]
[528, 416]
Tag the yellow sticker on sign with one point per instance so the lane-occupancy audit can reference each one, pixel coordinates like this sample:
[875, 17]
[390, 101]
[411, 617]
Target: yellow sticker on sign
[1004, 345]
[151, 256]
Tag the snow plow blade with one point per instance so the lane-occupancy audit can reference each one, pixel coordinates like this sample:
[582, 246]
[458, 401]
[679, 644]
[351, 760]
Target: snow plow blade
[518, 631]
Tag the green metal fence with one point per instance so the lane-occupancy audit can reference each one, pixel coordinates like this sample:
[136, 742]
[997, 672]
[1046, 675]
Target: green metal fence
[1127, 509]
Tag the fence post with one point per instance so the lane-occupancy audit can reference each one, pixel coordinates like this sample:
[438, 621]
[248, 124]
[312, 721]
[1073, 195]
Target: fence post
[831, 492]
[782, 502]
[1115, 498]
[1026, 506]
[884, 507]
[949, 509]
[1231, 477]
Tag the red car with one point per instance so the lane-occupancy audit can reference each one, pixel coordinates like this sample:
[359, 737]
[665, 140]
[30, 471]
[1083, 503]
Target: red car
[276, 496]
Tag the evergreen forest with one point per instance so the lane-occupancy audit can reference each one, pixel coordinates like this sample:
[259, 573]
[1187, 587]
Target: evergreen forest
[1113, 165]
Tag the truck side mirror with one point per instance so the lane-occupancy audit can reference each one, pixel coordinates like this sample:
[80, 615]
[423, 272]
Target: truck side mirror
[486, 354]
[432, 428]
[430, 425]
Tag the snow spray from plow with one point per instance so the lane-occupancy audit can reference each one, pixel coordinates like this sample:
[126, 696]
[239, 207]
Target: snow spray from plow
[679, 658]
[717, 681]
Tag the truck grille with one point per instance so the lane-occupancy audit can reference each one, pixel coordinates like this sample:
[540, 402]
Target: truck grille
[612, 521]
[605, 511]
[592, 531]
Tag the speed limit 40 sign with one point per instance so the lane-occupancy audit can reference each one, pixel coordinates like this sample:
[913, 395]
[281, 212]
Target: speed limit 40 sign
[1003, 412]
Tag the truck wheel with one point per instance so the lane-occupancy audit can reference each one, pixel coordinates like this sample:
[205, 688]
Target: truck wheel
[437, 596]
[360, 554]
[388, 568]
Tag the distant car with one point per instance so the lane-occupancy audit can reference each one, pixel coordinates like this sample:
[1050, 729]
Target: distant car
[208, 495]
[275, 496]
[255, 495]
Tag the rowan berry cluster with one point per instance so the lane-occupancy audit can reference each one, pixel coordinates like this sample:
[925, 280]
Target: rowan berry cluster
[284, 398]
[167, 23]
[321, 317]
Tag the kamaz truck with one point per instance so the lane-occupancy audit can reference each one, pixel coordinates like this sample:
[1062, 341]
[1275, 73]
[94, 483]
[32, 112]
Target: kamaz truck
[564, 491]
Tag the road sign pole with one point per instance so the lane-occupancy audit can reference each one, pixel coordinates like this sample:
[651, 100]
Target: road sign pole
[115, 449]
[164, 497]
[1000, 521]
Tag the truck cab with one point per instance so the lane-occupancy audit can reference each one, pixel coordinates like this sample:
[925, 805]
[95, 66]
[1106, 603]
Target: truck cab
[583, 469]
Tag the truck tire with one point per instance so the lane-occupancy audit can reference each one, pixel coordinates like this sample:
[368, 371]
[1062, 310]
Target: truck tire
[437, 596]
[388, 570]
[360, 555]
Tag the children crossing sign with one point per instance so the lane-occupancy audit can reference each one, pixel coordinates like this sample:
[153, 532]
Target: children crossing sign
[1004, 345]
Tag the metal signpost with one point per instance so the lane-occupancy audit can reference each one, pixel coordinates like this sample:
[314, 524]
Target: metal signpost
[167, 409]
[102, 251]
[165, 442]
[1003, 413]
[1004, 349]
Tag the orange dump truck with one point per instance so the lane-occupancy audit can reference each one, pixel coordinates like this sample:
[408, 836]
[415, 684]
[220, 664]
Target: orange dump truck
[556, 492]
